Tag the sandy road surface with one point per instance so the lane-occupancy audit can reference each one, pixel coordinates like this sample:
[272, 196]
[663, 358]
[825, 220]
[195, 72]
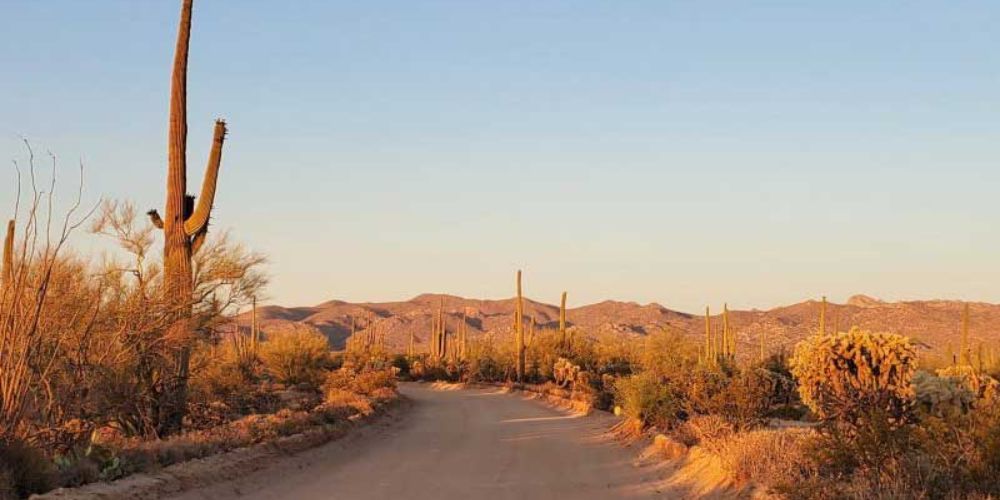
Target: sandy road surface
[457, 444]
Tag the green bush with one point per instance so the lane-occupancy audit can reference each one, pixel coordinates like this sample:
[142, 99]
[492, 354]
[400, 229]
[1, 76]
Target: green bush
[742, 397]
[23, 470]
[297, 356]
[401, 363]
[645, 399]
[365, 383]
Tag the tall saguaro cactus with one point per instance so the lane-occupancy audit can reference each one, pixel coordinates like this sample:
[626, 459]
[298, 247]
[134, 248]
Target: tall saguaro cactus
[822, 316]
[254, 327]
[519, 331]
[562, 321]
[965, 356]
[463, 337]
[709, 351]
[184, 225]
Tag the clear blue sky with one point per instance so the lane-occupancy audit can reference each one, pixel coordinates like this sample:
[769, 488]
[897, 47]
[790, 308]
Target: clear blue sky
[674, 151]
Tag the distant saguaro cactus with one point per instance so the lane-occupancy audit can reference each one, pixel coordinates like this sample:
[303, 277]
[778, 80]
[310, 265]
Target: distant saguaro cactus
[709, 345]
[439, 339]
[463, 337]
[531, 331]
[254, 327]
[728, 336]
[762, 334]
[519, 331]
[822, 316]
[184, 225]
[965, 355]
[246, 346]
[562, 321]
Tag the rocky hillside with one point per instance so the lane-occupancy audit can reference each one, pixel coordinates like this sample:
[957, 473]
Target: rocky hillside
[933, 323]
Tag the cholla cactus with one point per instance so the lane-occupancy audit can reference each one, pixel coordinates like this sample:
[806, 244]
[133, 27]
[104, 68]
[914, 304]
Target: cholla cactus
[941, 395]
[982, 386]
[565, 372]
[847, 376]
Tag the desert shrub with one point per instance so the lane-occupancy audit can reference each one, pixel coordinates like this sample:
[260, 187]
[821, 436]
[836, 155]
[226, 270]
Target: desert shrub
[344, 399]
[645, 399]
[703, 429]
[23, 470]
[220, 377]
[742, 397]
[402, 364]
[542, 353]
[957, 452]
[365, 383]
[295, 356]
[484, 368]
[667, 354]
[215, 371]
[941, 396]
[981, 385]
[787, 412]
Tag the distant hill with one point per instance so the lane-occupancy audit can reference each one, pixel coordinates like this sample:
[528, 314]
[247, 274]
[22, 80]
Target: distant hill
[934, 323]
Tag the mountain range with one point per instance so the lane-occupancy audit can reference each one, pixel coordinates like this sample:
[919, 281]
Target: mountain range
[935, 324]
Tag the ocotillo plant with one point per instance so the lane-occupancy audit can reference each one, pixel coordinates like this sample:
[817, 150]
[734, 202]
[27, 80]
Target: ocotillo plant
[519, 331]
[184, 225]
[8, 255]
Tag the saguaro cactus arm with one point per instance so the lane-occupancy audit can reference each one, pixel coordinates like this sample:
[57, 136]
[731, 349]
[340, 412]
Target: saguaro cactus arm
[155, 218]
[199, 219]
[199, 240]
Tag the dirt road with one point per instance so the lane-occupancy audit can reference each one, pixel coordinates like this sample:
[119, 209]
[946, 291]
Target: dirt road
[458, 444]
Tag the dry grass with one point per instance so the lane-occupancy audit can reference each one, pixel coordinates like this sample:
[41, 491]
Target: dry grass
[766, 457]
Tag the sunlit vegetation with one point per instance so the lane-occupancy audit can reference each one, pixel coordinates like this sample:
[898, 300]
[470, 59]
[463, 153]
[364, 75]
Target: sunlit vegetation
[133, 361]
[848, 414]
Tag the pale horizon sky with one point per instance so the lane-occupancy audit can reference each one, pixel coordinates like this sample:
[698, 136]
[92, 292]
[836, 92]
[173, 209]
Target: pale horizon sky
[685, 153]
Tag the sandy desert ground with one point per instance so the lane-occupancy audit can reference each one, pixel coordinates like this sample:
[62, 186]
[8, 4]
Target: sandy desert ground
[470, 443]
